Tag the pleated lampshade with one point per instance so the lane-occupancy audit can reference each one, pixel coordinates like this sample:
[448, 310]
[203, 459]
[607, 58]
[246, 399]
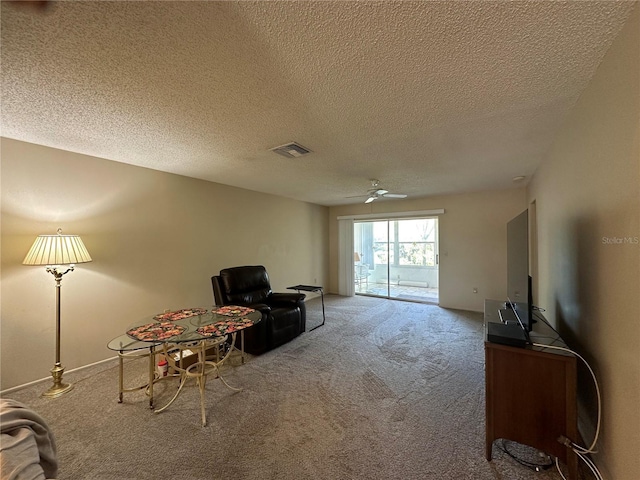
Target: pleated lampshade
[57, 250]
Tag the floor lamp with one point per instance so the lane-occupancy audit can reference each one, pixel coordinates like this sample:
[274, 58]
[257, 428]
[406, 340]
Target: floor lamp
[59, 253]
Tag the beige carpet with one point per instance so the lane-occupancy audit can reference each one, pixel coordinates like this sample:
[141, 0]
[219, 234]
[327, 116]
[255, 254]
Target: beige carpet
[385, 390]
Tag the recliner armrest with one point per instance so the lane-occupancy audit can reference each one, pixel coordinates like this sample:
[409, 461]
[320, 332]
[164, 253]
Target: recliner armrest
[261, 307]
[286, 299]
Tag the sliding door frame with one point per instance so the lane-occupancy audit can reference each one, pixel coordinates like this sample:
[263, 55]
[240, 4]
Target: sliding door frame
[346, 244]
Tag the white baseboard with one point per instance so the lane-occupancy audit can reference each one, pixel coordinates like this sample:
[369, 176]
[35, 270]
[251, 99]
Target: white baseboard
[24, 385]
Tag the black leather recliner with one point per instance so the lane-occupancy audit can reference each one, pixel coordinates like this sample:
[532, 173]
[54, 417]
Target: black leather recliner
[283, 314]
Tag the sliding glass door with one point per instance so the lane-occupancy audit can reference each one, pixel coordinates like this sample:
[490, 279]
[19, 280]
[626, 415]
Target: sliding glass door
[397, 259]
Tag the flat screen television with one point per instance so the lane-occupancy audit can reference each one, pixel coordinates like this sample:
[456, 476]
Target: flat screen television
[519, 282]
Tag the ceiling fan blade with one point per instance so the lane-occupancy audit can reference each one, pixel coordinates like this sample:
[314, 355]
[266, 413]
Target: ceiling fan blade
[395, 195]
[375, 193]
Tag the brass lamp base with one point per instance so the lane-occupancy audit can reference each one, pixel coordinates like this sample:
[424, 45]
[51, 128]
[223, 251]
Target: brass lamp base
[58, 388]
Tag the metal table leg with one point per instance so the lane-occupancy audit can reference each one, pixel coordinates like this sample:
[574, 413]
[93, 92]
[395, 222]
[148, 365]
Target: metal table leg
[200, 369]
[323, 317]
[133, 354]
[152, 367]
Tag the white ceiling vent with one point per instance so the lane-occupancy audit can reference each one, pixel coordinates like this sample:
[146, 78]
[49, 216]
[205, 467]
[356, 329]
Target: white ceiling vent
[291, 150]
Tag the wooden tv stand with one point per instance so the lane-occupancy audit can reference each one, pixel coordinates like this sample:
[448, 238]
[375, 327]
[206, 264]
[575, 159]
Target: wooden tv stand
[531, 393]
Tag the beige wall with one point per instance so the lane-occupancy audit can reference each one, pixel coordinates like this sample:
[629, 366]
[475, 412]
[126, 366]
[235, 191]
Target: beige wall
[155, 239]
[588, 198]
[473, 241]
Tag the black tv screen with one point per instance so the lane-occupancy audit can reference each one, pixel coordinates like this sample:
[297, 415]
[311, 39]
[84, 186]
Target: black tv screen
[519, 295]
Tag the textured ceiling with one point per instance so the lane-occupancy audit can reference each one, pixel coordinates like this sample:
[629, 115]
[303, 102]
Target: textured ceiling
[429, 97]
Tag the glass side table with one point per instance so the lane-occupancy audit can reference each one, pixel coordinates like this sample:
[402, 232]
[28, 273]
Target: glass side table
[313, 289]
[127, 347]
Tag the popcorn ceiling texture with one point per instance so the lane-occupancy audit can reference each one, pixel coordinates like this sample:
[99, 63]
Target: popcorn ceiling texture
[412, 93]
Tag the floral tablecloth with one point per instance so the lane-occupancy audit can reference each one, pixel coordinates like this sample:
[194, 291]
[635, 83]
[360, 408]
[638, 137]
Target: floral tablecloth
[224, 327]
[180, 314]
[233, 310]
[155, 331]
[167, 325]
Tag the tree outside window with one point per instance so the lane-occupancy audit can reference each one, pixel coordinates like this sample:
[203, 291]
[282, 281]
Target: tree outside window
[415, 245]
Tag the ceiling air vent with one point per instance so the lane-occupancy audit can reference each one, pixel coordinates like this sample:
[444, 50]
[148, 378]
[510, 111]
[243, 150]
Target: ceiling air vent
[291, 150]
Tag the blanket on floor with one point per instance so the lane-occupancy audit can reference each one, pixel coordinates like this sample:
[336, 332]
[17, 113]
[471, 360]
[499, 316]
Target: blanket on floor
[27, 446]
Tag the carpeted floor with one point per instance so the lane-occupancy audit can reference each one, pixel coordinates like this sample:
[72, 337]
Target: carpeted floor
[385, 390]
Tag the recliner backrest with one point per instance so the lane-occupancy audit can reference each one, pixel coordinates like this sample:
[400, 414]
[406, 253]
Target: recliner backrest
[245, 285]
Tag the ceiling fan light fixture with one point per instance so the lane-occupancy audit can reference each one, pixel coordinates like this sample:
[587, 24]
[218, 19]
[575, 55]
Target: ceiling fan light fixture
[376, 193]
[395, 195]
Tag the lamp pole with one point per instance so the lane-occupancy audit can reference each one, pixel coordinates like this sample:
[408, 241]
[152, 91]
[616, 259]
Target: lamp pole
[58, 388]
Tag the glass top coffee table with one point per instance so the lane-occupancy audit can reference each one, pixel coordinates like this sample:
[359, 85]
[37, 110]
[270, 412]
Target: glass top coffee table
[197, 329]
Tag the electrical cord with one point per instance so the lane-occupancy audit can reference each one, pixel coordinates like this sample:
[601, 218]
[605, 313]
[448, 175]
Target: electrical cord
[579, 450]
[575, 446]
[582, 452]
[587, 461]
[591, 465]
[559, 470]
[533, 466]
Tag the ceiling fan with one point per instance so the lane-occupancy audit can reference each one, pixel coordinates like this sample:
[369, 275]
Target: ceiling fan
[375, 192]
